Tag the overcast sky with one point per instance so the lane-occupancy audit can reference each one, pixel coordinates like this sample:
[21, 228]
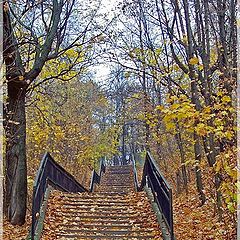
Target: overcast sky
[102, 71]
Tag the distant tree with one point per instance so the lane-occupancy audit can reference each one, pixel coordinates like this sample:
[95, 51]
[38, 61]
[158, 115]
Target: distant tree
[184, 55]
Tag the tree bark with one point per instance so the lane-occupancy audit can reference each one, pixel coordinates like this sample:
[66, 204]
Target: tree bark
[199, 183]
[15, 128]
[178, 138]
[16, 165]
[195, 100]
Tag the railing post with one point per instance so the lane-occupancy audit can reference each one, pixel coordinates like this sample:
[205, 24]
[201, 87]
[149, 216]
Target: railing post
[96, 178]
[135, 172]
[33, 214]
[171, 224]
[145, 173]
[92, 181]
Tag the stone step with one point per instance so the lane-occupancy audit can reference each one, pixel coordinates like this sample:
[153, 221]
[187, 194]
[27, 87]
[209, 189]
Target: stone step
[95, 196]
[115, 192]
[104, 214]
[109, 225]
[78, 216]
[89, 221]
[108, 232]
[98, 226]
[104, 229]
[116, 176]
[111, 191]
[115, 188]
[109, 183]
[119, 167]
[101, 237]
[117, 181]
[97, 208]
[129, 184]
[96, 202]
[118, 173]
[122, 191]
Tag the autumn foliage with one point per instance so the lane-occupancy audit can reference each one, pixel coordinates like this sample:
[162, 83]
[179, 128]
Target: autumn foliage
[170, 89]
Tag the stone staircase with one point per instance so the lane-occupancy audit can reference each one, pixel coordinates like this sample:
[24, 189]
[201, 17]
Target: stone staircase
[113, 211]
[117, 179]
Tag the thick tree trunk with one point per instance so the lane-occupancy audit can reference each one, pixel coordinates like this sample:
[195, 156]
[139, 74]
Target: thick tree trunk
[16, 167]
[15, 129]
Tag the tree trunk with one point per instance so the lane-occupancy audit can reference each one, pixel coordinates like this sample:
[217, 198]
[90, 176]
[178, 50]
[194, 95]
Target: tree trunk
[15, 129]
[124, 153]
[16, 165]
[199, 183]
[182, 155]
[195, 100]
[178, 181]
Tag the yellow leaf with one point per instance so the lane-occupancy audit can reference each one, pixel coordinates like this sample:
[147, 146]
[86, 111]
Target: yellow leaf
[218, 166]
[201, 129]
[194, 61]
[175, 67]
[229, 135]
[170, 126]
[185, 39]
[226, 99]
[20, 78]
[200, 67]
[159, 107]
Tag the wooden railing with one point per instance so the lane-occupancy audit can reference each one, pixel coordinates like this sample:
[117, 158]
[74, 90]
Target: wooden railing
[50, 173]
[161, 190]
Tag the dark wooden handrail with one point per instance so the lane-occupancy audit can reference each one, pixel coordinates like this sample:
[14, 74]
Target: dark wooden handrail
[96, 177]
[135, 173]
[161, 190]
[50, 173]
